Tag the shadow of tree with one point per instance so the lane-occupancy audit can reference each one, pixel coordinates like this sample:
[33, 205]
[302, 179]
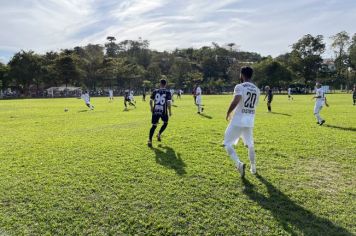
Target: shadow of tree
[340, 127]
[289, 214]
[168, 158]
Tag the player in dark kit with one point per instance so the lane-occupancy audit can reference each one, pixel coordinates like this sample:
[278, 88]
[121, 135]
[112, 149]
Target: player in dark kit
[269, 96]
[127, 99]
[354, 94]
[160, 103]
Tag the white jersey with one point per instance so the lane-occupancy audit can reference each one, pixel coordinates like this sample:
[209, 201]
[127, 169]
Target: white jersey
[289, 91]
[198, 91]
[86, 97]
[320, 93]
[111, 93]
[244, 115]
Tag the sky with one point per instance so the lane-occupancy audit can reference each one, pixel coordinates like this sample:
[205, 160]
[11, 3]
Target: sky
[268, 27]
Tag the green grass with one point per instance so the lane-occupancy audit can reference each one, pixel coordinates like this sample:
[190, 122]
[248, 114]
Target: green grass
[90, 172]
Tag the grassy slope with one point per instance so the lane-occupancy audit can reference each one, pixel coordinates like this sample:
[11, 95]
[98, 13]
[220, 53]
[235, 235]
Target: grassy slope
[90, 172]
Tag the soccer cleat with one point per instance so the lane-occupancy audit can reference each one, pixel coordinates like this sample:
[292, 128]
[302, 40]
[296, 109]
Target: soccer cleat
[253, 169]
[202, 109]
[159, 138]
[241, 169]
[149, 143]
[322, 122]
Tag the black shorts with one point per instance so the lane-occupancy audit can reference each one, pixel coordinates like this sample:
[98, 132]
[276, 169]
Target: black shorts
[269, 99]
[157, 117]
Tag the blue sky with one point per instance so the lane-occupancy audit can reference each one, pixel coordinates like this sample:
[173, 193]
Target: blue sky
[265, 26]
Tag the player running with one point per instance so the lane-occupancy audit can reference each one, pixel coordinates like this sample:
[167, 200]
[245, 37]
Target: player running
[127, 99]
[198, 94]
[179, 94]
[246, 96]
[354, 94]
[85, 96]
[111, 95]
[290, 93]
[319, 103]
[172, 94]
[160, 104]
[269, 96]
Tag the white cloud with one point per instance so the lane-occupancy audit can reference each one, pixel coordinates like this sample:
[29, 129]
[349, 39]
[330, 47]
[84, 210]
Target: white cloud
[268, 27]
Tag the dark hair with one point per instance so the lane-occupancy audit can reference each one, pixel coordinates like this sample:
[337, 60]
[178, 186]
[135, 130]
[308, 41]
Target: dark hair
[163, 82]
[247, 72]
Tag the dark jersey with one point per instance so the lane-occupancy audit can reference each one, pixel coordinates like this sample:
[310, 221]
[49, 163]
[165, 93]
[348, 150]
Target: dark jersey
[160, 98]
[127, 96]
[269, 95]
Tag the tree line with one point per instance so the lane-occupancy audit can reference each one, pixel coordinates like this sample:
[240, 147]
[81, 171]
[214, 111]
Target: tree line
[131, 64]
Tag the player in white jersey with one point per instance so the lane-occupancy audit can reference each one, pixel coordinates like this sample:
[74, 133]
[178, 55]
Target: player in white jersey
[319, 103]
[172, 94]
[246, 97]
[85, 96]
[290, 93]
[111, 95]
[198, 102]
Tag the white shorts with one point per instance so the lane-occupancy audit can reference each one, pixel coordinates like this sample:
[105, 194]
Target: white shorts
[317, 108]
[234, 133]
[198, 100]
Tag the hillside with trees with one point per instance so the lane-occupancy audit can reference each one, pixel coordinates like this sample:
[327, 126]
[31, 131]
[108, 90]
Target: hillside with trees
[131, 64]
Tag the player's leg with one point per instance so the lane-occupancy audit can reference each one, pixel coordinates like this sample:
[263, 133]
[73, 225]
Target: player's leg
[317, 110]
[247, 136]
[125, 103]
[163, 128]
[155, 119]
[232, 135]
[269, 106]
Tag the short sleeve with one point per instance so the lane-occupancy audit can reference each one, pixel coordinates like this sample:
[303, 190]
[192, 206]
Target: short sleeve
[238, 90]
[168, 96]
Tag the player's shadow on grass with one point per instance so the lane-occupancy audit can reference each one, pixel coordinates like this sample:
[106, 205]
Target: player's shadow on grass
[282, 114]
[82, 111]
[205, 116]
[289, 214]
[341, 128]
[167, 157]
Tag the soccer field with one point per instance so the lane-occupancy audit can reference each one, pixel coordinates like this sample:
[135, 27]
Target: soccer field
[91, 172]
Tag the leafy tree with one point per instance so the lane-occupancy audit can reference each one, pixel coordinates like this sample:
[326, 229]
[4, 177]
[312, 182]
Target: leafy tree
[25, 68]
[306, 57]
[67, 68]
[273, 73]
[340, 44]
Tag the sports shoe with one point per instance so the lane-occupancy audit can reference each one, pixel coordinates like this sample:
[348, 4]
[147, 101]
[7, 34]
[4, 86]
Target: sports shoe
[149, 143]
[159, 138]
[202, 109]
[322, 122]
[253, 169]
[241, 169]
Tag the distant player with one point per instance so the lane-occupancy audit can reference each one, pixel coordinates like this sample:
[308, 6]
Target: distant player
[198, 102]
[144, 95]
[269, 96]
[246, 97]
[85, 96]
[319, 103]
[354, 94]
[290, 94]
[179, 94]
[160, 104]
[194, 94]
[172, 94]
[111, 95]
[127, 99]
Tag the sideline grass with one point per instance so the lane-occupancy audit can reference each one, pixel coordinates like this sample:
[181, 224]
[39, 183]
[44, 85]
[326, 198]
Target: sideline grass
[90, 172]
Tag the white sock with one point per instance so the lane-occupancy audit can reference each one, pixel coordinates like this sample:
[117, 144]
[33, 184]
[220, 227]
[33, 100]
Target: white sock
[252, 155]
[234, 157]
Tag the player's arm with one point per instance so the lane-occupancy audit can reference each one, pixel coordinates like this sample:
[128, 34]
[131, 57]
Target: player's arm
[233, 105]
[326, 103]
[151, 105]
